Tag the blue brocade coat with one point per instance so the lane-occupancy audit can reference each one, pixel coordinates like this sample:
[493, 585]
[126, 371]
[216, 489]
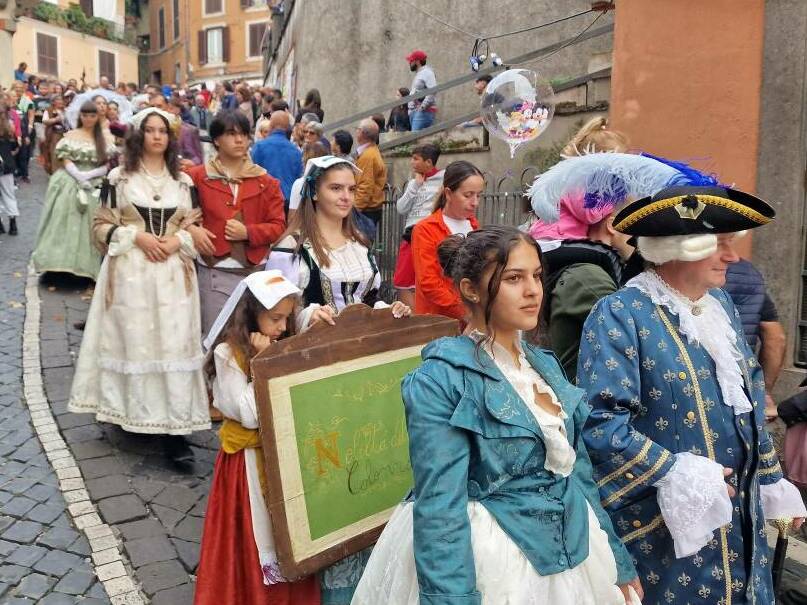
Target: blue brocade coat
[471, 437]
[654, 395]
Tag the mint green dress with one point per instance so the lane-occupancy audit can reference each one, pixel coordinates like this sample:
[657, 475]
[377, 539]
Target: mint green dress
[64, 239]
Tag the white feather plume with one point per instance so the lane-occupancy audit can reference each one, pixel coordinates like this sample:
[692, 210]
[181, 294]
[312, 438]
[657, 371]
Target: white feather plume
[611, 176]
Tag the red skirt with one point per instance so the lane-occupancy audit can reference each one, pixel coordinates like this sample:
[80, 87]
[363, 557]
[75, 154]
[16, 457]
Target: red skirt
[404, 277]
[229, 570]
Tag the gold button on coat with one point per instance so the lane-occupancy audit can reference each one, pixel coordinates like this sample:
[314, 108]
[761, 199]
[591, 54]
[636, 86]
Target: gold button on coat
[690, 415]
[637, 523]
[629, 476]
[682, 375]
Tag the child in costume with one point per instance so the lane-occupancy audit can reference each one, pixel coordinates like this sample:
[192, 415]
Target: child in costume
[504, 508]
[238, 564]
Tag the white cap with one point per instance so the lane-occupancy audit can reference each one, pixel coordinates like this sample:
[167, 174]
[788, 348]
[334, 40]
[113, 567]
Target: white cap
[137, 119]
[269, 287]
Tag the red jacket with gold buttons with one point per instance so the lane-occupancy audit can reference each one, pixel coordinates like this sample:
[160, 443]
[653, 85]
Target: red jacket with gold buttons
[260, 203]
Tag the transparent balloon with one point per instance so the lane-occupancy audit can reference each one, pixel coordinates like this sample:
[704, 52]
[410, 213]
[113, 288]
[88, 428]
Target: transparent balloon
[517, 107]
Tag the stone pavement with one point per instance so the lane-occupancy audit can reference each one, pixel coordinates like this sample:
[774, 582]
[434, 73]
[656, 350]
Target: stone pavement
[43, 558]
[155, 511]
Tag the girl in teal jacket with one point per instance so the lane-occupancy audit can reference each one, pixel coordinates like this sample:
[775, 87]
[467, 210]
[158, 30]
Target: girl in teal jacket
[504, 510]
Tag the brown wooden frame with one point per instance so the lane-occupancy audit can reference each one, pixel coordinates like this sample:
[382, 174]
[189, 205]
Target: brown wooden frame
[359, 332]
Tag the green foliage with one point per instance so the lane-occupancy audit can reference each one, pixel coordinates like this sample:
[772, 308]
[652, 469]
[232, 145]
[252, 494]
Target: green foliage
[75, 18]
[48, 12]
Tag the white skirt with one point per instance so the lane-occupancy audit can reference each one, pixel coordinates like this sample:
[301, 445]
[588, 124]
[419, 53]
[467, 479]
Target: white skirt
[140, 364]
[504, 576]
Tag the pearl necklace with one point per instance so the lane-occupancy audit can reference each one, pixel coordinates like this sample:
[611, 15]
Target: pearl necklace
[150, 178]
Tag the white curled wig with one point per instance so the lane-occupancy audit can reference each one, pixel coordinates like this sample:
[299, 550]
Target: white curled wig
[687, 248]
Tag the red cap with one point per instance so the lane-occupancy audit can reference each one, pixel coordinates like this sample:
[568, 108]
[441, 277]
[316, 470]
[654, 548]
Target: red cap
[415, 55]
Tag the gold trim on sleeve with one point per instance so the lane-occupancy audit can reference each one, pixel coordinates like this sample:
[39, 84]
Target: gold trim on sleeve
[628, 465]
[663, 457]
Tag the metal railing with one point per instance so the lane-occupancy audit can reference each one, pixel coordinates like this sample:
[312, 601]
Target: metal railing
[502, 204]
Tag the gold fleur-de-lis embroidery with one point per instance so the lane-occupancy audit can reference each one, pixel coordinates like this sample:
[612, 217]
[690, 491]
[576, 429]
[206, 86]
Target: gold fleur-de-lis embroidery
[655, 394]
[611, 363]
[669, 596]
[648, 363]
[630, 352]
[669, 375]
[614, 333]
[636, 304]
[645, 547]
[717, 573]
[644, 333]
[662, 423]
[704, 591]
[653, 577]
[684, 579]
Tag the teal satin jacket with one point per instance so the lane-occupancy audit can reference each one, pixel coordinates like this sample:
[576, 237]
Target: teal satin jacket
[471, 437]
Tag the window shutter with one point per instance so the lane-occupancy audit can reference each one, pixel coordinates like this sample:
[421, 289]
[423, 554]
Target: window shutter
[202, 46]
[225, 44]
[246, 3]
[86, 6]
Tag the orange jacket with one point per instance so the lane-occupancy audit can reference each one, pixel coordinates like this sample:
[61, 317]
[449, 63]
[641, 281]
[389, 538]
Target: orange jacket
[434, 292]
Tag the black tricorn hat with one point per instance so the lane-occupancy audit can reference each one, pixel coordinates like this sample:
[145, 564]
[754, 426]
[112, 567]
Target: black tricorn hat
[693, 211]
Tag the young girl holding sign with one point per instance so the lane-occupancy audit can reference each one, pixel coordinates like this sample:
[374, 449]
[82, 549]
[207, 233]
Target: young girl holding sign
[238, 564]
[504, 507]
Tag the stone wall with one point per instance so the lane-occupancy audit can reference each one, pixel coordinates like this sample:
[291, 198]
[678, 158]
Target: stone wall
[779, 248]
[354, 52]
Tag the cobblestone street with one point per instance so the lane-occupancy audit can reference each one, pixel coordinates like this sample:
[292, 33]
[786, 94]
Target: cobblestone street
[155, 511]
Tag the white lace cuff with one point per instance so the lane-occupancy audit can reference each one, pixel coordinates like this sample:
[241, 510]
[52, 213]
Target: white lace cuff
[186, 246]
[380, 304]
[781, 500]
[122, 240]
[694, 502]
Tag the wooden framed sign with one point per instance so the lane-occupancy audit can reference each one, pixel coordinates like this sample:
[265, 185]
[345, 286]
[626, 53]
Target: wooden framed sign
[333, 431]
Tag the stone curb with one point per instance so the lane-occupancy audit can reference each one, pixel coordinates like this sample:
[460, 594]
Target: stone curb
[106, 554]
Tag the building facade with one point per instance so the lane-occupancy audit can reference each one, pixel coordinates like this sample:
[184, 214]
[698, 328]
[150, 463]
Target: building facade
[730, 100]
[194, 41]
[66, 40]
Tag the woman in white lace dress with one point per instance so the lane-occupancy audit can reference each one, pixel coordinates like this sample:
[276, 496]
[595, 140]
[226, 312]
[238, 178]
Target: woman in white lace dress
[504, 509]
[140, 365]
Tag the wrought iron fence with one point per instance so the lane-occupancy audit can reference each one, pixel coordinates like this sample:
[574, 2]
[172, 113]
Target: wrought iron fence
[502, 204]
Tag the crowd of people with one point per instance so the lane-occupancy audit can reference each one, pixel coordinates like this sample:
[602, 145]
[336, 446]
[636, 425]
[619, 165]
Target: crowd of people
[627, 460]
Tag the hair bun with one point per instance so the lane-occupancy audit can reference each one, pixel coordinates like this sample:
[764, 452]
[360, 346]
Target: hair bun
[448, 251]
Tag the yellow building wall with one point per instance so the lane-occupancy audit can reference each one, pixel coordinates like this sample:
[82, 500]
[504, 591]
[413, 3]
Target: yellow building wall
[76, 52]
[185, 50]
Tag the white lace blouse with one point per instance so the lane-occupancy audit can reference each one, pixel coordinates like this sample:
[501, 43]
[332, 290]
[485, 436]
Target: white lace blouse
[560, 456]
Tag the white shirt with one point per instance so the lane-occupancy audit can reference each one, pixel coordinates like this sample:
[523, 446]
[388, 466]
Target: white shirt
[457, 225]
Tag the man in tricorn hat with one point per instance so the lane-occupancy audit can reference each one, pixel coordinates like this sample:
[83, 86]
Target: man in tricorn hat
[683, 462]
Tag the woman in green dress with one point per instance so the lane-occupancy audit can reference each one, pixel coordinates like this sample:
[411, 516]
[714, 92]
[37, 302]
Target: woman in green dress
[64, 242]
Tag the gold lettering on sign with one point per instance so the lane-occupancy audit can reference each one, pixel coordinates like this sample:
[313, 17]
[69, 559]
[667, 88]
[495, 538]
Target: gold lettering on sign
[329, 451]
